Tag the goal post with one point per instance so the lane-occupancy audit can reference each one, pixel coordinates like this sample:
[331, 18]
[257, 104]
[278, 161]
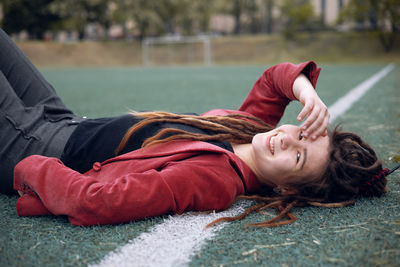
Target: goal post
[173, 50]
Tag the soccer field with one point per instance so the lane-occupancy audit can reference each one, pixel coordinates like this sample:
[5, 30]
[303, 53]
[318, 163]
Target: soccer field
[366, 234]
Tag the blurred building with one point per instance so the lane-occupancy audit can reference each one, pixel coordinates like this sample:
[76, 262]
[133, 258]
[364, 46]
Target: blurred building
[222, 23]
[328, 10]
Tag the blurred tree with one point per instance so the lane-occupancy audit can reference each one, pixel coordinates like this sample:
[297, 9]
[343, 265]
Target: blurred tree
[250, 16]
[146, 18]
[205, 9]
[143, 12]
[246, 14]
[168, 11]
[238, 8]
[33, 16]
[382, 16]
[268, 18]
[299, 15]
[253, 13]
[156, 17]
[184, 16]
[195, 16]
[119, 13]
[77, 14]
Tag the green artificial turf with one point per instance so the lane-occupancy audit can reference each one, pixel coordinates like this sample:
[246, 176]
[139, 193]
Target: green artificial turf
[366, 234]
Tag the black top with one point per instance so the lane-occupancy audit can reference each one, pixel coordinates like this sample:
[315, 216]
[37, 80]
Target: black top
[95, 140]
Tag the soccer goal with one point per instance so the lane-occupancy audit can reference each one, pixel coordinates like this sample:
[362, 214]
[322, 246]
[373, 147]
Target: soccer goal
[176, 50]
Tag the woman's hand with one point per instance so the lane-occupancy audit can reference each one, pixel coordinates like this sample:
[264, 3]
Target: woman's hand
[314, 109]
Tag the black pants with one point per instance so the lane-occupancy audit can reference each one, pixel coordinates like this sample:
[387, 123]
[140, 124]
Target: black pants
[33, 119]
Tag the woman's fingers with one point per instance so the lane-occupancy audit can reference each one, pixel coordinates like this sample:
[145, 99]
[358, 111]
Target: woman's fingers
[305, 111]
[314, 110]
[311, 118]
[317, 121]
[319, 126]
[325, 125]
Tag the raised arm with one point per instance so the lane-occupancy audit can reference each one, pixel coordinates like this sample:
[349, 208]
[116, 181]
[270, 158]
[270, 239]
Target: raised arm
[272, 92]
[115, 197]
[313, 108]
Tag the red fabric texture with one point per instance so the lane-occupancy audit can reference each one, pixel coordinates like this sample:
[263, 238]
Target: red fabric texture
[167, 178]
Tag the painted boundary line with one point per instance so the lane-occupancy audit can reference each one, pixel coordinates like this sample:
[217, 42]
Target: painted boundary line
[174, 241]
[345, 102]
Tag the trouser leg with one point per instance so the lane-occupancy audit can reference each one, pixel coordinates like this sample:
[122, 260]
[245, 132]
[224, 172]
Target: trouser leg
[27, 82]
[33, 119]
[25, 131]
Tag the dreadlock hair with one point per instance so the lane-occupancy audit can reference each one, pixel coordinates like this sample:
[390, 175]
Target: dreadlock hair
[350, 172]
[235, 128]
[353, 169]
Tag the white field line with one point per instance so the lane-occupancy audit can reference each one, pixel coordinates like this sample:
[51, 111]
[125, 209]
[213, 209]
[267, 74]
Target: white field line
[345, 102]
[171, 243]
[176, 240]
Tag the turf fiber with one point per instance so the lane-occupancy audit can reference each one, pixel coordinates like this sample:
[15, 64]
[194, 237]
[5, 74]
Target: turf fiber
[366, 234]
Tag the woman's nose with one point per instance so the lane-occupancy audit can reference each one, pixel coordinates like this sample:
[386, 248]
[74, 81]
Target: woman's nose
[286, 141]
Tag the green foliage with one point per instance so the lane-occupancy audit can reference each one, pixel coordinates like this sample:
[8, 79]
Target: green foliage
[299, 16]
[33, 16]
[248, 14]
[195, 16]
[382, 16]
[188, 17]
[151, 17]
[76, 14]
[147, 21]
[156, 17]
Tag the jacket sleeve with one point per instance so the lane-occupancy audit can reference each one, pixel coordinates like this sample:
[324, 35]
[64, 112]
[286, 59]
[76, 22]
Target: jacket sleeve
[196, 183]
[272, 92]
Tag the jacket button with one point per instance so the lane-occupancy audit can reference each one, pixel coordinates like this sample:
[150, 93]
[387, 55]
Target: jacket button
[97, 166]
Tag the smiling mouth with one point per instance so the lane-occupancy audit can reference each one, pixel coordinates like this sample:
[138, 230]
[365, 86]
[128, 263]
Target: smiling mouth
[272, 145]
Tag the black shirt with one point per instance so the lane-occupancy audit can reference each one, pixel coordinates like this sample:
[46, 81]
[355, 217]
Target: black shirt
[95, 140]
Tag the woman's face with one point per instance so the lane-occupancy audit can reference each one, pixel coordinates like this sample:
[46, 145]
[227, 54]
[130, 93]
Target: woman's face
[284, 156]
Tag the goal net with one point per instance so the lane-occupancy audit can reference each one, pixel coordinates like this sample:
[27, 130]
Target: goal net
[176, 50]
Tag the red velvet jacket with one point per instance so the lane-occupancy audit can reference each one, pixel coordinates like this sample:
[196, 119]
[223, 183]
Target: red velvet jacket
[173, 177]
